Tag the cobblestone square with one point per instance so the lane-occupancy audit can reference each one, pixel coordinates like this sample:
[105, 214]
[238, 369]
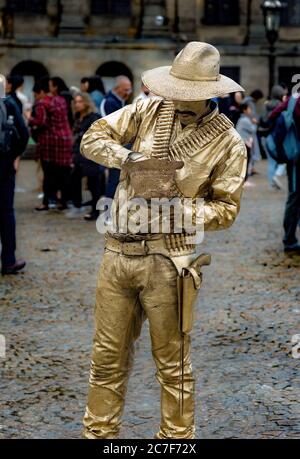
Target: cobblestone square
[248, 310]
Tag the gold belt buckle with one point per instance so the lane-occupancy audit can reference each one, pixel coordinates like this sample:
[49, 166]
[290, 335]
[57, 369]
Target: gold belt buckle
[127, 250]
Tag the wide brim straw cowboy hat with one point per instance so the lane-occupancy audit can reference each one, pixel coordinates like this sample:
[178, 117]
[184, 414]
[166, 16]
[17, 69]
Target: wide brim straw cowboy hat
[194, 75]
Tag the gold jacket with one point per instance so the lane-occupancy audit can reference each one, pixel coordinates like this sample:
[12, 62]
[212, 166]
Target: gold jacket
[215, 171]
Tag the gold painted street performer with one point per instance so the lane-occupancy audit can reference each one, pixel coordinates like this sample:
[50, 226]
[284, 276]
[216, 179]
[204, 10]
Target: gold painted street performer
[181, 147]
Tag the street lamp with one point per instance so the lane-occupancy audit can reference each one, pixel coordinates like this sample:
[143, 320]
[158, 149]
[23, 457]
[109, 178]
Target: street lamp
[272, 16]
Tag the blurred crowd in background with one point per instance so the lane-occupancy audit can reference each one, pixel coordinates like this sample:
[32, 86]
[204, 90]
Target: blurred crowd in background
[56, 119]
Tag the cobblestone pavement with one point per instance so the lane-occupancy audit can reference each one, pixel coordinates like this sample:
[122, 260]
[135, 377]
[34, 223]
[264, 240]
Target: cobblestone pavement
[249, 308]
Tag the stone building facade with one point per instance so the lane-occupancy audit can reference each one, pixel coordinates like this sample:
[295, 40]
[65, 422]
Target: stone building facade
[75, 38]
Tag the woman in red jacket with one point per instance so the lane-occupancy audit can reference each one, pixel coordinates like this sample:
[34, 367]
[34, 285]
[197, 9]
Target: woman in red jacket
[54, 142]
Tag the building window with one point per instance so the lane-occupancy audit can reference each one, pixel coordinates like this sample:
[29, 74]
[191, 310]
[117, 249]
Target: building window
[291, 14]
[28, 6]
[221, 12]
[111, 7]
[285, 76]
[232, 72]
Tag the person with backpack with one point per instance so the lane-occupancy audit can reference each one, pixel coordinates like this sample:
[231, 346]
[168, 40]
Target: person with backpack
[13, 140]
[283, 145]
[278, 94]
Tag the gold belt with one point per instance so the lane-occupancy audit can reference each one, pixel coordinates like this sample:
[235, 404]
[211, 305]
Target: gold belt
[144, 247]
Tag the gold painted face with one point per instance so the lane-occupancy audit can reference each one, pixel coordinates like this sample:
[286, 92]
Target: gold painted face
[190, 112]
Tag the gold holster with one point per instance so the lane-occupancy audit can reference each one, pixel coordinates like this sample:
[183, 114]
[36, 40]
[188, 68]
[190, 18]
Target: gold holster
[188, 285]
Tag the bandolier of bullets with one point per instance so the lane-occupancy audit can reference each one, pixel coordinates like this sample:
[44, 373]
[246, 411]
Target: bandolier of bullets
[176, 243]
[163, 131]
[203, 136]
[179, 244]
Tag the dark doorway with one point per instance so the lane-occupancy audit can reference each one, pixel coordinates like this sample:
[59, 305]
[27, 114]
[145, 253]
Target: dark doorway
[33, 68]
[32, 71]
[113, 69]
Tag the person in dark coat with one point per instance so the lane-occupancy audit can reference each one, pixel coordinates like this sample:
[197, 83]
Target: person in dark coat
[85, 113]
[292, 206]
[224, 103]
[234, 109]
[14, 138]
[115, 99]
[13, 82]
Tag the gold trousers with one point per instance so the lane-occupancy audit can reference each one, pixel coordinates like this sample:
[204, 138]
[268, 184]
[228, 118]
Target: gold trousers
[129, 290]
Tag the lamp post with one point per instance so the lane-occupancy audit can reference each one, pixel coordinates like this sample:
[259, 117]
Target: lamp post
[272, 15]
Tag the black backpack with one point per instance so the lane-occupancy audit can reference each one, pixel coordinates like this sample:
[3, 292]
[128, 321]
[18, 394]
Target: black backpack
[9, 135]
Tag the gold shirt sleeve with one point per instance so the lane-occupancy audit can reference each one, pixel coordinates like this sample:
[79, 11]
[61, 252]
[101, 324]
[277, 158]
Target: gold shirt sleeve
[223, 205]
[103, 142]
